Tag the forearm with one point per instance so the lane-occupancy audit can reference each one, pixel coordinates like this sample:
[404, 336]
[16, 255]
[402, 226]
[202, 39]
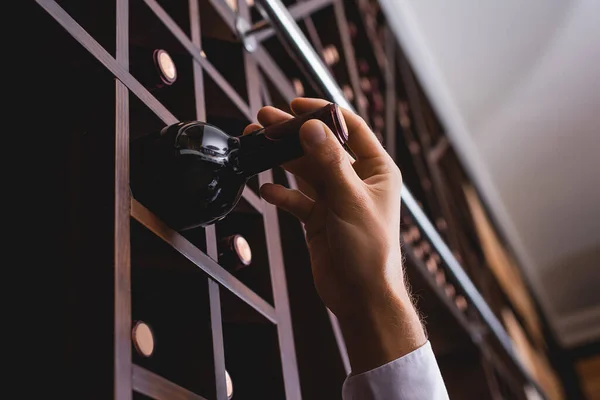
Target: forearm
[383, 329]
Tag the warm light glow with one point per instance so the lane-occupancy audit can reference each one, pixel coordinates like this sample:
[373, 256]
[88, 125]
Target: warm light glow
[362, 100]
[461, 302]
[348, 93]
[440, 277]
[403, 114]
[450, 290]
[331, 55]
[441, 224]
[431, 265]
[365, 84]
[143, 339]
[233, 4]
[298, 87]
[242, 248]
[166, 66]
[229, 384]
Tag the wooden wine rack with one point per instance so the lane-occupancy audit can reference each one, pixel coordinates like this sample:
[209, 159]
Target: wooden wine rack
[232, 62]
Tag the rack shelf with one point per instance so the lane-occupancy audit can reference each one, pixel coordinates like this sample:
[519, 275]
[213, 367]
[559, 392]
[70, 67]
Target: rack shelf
[232, 62]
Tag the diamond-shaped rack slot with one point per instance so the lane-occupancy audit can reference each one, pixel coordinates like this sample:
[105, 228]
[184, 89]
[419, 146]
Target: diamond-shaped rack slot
[248, 338]
[319, 363]
[170, 296]
[97, 18]
[234, 255]
[76, 101]
[160, 62]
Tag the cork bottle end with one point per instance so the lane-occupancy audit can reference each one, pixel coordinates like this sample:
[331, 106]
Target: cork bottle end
[341, 130]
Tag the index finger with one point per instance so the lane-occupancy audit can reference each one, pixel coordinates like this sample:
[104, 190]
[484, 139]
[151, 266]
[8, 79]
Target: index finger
[361, 140]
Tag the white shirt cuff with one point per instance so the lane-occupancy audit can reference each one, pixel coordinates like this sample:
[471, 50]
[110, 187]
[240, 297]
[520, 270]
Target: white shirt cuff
[414, 376]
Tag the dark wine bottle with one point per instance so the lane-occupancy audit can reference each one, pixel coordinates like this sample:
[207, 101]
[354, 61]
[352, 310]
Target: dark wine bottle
[234, 252]
[143, 339]
[192, 173]
[153, 68]
[228, 385]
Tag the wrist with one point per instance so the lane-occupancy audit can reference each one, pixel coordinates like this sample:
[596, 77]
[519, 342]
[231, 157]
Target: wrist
[382, 330]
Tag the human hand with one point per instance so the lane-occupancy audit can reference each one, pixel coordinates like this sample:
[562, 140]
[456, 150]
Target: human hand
[351, 212]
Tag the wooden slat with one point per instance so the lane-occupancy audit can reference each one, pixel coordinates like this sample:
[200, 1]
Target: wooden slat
[216, 320]
[95, 49]
[377, 48]
[250, 67]
[266, 96]
[588, 370]
[197, 68]
[225, 12]
[503, 268]
[262, 57]
[122, 239]
[300, 10]
[534, 361]
[252, 198]
[201, 260]
[474, 331]
[280, 296]
[390, 94]
[274, 73]
[438, 150]
[339, 339]
[155, 386]
[216, 323]
[214, 296]
[195, 52]
[291, 379]
[313, 35]
[439, 208]
[490, 377]
[348, 49]
[253, 81]
[335, 325]
[508, 376]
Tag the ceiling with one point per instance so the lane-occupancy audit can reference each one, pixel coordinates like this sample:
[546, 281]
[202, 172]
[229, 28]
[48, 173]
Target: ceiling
[517, 86]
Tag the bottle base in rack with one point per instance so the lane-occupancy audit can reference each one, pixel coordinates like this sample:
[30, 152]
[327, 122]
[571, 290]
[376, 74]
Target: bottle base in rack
[184, 190]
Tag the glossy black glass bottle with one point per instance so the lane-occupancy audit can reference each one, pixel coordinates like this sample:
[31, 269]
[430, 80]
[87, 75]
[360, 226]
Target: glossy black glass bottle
[193, 174]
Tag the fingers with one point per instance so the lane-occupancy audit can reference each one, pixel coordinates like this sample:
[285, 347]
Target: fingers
[306, 188]
[270, 115]
[251, 128]
[292, 201]
[361, 139]
[326, 155]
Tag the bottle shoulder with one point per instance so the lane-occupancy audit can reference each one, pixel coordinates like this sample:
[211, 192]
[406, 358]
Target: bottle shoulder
[201, 139]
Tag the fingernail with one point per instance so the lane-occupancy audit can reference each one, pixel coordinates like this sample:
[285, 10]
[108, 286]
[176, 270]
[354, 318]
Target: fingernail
[313, 133]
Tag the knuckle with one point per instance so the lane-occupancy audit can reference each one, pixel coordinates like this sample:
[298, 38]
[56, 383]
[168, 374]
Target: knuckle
[394, 173]
[362, 124]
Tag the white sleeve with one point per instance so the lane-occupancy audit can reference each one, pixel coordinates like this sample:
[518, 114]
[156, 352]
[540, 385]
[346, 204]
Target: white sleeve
[414, 376]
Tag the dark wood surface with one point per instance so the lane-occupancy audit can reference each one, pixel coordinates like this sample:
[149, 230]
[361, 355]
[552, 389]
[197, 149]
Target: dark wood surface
[200, 259]
[123, 323]
[157, 387]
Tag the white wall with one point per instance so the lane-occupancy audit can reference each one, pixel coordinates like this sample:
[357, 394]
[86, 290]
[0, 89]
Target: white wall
[517, 84]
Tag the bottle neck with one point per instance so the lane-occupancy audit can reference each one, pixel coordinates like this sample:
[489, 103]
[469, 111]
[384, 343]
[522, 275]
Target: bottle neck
[279, 143]
[258, 152]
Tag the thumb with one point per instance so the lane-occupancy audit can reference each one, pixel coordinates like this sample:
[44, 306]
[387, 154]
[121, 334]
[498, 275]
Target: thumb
[334, 174]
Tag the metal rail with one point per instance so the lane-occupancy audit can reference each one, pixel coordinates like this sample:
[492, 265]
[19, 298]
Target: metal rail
[298, 46]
